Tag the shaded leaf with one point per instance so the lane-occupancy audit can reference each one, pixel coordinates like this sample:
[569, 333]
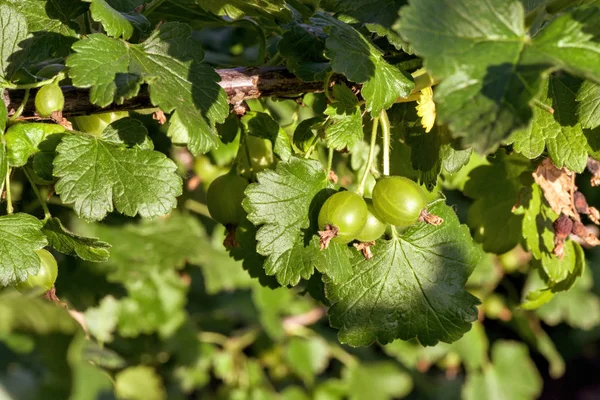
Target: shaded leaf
[117, 24]
[512, 375]
[397, 293]
[495, 189]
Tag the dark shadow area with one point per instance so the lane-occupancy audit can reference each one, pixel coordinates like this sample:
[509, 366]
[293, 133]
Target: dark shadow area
[66, 11]
[41, 47]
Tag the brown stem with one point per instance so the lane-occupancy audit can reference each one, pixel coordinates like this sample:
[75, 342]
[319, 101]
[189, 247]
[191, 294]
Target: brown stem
[239, 83]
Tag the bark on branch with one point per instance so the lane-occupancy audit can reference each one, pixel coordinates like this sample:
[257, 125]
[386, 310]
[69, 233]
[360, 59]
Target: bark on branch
[239, 84]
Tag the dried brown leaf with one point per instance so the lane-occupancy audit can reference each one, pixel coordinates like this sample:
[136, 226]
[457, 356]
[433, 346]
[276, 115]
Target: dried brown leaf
[586, 236]
[558, 185]
[594, 215]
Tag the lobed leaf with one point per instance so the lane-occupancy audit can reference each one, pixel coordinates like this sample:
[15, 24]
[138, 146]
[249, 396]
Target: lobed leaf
[66, 242]
[116, 23]
[282, 202]
[20, 237]
[495, 189]
[512, 375]
[98, 177]
[412, 287]
[353, 55]
[559, 132]
[345, 119]
[169, 62]
[490, 69]
[13, 29]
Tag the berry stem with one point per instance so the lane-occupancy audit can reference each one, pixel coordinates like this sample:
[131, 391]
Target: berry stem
[35, 85]
[9, 205]
[326, 84]
[19, 111]
[543, 106]
[385, 129]
[39, 196]
[197, 207]
[329, 159]
[363, 181]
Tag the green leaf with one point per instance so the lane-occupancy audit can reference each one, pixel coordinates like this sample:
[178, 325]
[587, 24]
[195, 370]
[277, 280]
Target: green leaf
[44, 158]
[491, 71]
[345, 120]
[47, 16]
[275, 304]
[303, 46]
[128, 132]
[383, 380]
[14, 29]
[89, 380]
[353, 55]
[102, 321]
[154, 245]
[512, 376]
[330, 389]
[97, 177]
[472, 348]
[155, 303]
[281, 203]
[307, 357]
[308, 132]
[20, 237]
[139, 383]
[50, 24]
[334, 261]
[413, 287]
[530, 331]
[59, 238]
[579, 307]
[262, 125]
[250, 8]
[169, 62]
[428, 151]
[538, 232]
[559, 132]
[495, 189]
[117, 24]
[20, 313]
[588, 107]
[22, 140]
[252, 262]
[126, 5]
[294, 393]
[570, 43]
[377, 16]
[221, 271]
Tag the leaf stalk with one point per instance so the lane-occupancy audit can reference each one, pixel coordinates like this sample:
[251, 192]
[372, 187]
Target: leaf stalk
[386, 133]
[363, 181]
